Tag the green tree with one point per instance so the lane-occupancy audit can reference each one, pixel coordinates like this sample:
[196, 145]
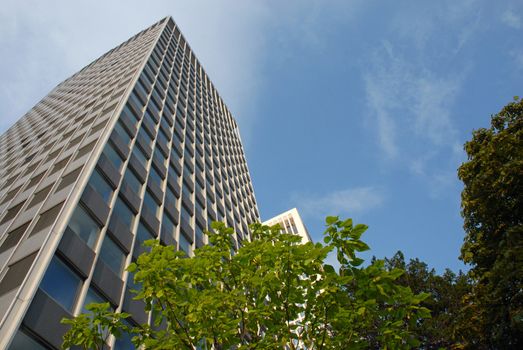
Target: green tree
[271, 293]
[447, 293]
[492, 208]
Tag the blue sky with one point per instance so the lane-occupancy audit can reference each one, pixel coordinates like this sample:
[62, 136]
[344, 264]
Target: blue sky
[353, 108]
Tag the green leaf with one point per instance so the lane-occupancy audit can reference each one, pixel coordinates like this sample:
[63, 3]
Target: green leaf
[331, 220]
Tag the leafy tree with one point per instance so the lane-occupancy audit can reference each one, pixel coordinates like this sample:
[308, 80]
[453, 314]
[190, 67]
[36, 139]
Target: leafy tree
[271, 293]
[492, 208]
[447, 293]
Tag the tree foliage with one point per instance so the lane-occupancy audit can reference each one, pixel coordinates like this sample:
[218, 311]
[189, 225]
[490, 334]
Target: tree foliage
[492, 208]
[271, 293]
[447, 296]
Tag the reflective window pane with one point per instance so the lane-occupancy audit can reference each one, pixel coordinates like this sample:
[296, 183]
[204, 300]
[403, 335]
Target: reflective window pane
[151, 204]
[84, 226]
[112, 256]
[132, 181]
[22, 341]
[113, 156]
[123, 213]
[61, 283]
[100, 184]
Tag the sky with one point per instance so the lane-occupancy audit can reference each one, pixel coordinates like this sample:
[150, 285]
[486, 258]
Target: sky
[352, 108]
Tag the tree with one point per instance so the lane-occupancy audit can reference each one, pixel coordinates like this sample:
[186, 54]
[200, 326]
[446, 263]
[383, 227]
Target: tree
[492, 208]
[446, 296]
[271, 293]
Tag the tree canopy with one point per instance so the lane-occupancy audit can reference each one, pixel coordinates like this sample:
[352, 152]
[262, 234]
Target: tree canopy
[492, 208]
[273, 292]
[447, 293]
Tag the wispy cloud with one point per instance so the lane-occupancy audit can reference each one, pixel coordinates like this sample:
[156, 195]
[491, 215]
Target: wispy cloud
[409, 103]
[412, 83]
[348, 201]
[511, 19]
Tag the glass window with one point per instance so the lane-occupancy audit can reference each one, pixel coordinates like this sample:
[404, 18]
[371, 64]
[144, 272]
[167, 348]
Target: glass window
[132, 181]
[127, 111]
[123, 213]
[162, 138]
[185, 246]
[150, 204]
[186, 191]
[61, 283]
[100, 184]
[184, 213]
[122, 132]
[159, 156]
[113, 156]
[199, 232]
[170, 198]
[22, 341]
[154, 177]
[140, 156]
[168, 225]
[112, 255]
[146, 137]
[93, 296]
[143, 234]
[84, 226]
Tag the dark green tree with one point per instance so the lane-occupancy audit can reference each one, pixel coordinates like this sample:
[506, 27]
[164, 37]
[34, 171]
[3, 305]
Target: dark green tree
[492, 208]
[447, 293]
[272, 293]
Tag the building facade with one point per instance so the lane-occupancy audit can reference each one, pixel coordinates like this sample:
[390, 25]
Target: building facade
[137, 145]
[291, 222]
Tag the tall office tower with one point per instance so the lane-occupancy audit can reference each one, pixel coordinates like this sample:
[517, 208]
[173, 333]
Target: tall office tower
[137, 145]
[291, 222]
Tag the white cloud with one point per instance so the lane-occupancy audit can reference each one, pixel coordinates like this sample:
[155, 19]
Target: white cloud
[511, 19]
[348, 202]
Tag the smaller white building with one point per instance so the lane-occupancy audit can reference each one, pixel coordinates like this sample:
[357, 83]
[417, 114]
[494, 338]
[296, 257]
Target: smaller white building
[291, 222]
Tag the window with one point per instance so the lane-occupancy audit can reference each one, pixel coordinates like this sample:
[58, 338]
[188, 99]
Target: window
[170, 198]
[124, 135]
[123, 213]
[154, 177]
[142, 159]
[185, 245]
[150, 204]
[112, 256]
[146, 137]
[93, 296]
[113, 156]
[132, 181]
[61, 283]
[143, 234]
[167, 225]
[127, 111]
[84, 226]
[185, 215]
[100, 185]
[22, 341]
[159, 156]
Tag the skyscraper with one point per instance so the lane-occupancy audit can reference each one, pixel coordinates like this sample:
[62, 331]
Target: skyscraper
[137, 145]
